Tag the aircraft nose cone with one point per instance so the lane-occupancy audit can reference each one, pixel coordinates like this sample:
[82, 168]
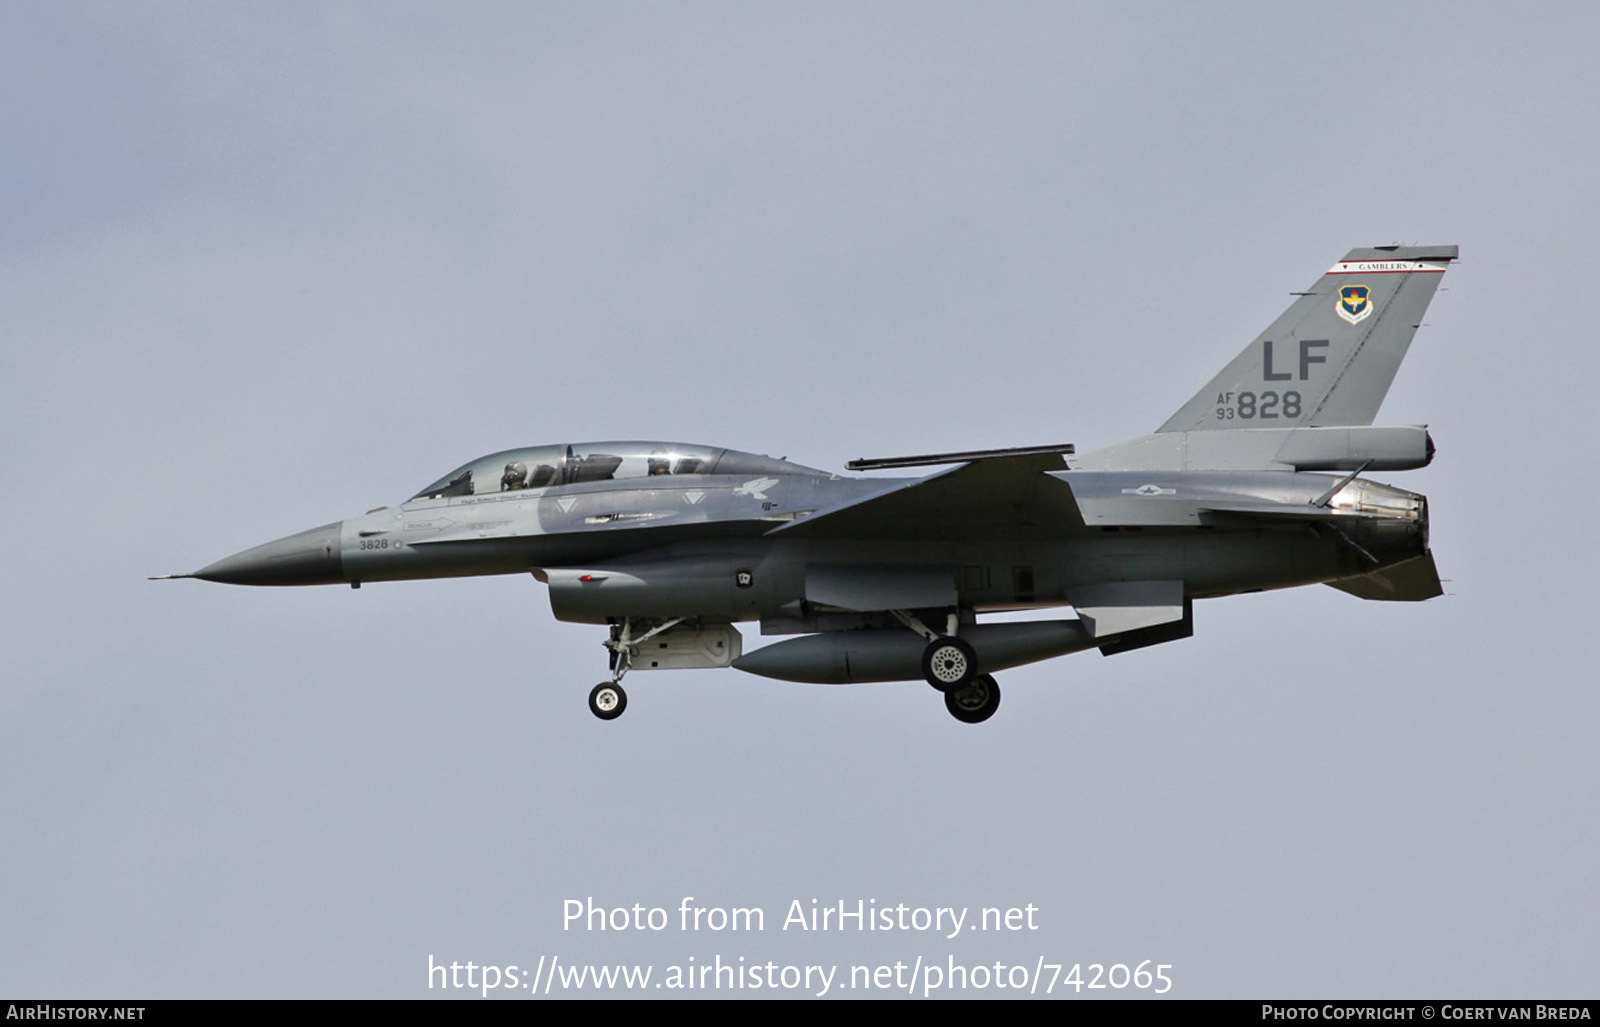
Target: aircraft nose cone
[305, 558]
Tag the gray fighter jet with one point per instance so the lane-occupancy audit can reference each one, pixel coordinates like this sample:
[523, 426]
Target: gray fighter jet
[1253, 484]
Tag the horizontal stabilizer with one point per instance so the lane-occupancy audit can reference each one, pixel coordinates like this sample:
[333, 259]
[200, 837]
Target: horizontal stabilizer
[1410, 582]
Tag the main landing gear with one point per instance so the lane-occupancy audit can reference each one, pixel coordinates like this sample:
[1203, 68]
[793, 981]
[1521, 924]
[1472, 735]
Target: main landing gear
[950, 665]
[607, 700]
[974, 702]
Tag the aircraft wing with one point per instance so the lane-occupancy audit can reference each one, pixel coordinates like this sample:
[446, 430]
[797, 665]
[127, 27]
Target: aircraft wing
[985, 498]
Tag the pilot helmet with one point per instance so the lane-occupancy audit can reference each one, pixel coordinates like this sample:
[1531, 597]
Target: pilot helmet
[516, 475]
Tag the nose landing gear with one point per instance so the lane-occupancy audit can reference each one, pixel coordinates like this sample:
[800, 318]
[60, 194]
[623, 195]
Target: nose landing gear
[607, 700]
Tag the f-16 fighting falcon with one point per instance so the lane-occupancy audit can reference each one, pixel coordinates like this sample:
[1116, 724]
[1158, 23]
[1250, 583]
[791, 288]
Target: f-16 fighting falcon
[1254, 483]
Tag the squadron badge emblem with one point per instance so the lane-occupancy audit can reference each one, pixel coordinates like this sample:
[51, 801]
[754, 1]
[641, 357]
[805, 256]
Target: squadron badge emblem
[1353, 304]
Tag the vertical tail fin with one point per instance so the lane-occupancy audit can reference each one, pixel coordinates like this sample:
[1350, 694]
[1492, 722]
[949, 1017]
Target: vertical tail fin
[1330, 358]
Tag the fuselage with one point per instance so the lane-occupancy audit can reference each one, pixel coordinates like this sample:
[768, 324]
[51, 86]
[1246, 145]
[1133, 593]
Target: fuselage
[708, 543]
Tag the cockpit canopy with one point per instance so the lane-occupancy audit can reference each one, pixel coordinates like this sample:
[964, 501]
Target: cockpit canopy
[542, 466]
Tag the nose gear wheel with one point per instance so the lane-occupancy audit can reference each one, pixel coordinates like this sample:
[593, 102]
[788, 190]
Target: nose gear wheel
[607, 700]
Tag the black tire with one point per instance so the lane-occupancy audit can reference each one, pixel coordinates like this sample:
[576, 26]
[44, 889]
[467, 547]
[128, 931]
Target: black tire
[948, 663]
[974, 702]
[607, 700]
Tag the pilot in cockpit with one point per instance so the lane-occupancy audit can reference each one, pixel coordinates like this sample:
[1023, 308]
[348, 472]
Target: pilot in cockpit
[515, 478]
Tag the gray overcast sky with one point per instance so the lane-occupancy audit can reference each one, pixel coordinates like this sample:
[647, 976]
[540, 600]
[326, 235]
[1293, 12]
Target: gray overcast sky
[266, 266]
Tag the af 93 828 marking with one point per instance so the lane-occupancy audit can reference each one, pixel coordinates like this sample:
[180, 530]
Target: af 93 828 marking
[1265, 406]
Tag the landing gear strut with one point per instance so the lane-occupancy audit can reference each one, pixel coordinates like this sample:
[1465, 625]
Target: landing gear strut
[948, 662]
[607, 700]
